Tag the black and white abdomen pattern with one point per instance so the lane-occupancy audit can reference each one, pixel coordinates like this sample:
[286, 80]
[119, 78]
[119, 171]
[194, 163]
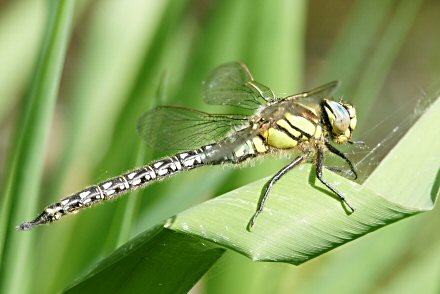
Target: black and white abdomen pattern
[116, 186]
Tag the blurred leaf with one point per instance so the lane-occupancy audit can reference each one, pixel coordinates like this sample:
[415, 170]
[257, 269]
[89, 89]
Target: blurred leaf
[387, 49]
[366, 19]
[19, 41]
[421, 272]
[24, 174]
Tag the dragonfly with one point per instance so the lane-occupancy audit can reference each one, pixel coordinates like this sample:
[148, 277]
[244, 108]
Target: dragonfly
[306, 126]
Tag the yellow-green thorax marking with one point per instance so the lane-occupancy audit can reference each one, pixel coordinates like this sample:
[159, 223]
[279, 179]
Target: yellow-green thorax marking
[285, 130]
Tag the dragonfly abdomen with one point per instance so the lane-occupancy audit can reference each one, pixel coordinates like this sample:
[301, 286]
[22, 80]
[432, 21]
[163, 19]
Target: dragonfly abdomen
[228, 151]
[119, 185]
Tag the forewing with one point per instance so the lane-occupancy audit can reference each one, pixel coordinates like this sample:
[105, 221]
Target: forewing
[232, 84]
[180, 128]
[317, 94]
[229, 146]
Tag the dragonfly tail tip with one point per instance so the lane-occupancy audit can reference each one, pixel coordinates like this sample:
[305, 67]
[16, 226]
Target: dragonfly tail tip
[42, 219]
[25, 226]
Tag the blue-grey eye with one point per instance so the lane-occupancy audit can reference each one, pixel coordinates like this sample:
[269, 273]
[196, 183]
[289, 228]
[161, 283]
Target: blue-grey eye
[341, 116]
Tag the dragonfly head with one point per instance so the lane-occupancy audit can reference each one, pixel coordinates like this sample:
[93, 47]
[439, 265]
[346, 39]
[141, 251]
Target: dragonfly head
[340, 119]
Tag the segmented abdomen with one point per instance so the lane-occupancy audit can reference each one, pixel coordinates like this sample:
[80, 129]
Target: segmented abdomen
[116, 186]
[111, 188]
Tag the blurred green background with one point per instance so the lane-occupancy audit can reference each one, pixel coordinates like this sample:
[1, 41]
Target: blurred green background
[386, 53]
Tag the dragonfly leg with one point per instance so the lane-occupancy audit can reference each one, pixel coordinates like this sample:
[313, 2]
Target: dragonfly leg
[362, 143]
[319, 166]
[342, 155]
[272, 182]
[342, 171]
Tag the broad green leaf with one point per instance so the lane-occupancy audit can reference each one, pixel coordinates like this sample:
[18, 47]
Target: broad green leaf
[156, 261]
[301, 220]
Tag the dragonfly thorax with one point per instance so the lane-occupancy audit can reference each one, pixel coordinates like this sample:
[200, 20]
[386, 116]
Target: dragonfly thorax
[340, 120]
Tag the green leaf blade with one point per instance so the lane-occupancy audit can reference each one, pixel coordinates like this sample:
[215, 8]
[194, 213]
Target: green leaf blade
[300, 220]
[158, 260]
[413, 165]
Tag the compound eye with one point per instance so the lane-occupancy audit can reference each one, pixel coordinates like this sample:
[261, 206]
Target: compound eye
[339, 117]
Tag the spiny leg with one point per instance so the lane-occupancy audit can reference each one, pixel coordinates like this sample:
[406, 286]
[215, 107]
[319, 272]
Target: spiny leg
[334, 150]
[319, 175]
[342, 171]
[274, 179]
[362, 143]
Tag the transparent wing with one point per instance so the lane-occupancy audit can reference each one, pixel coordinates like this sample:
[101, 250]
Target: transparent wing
[227, 146]
[232, 84]
[317, 94]
[180, 128]
[307, 104]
